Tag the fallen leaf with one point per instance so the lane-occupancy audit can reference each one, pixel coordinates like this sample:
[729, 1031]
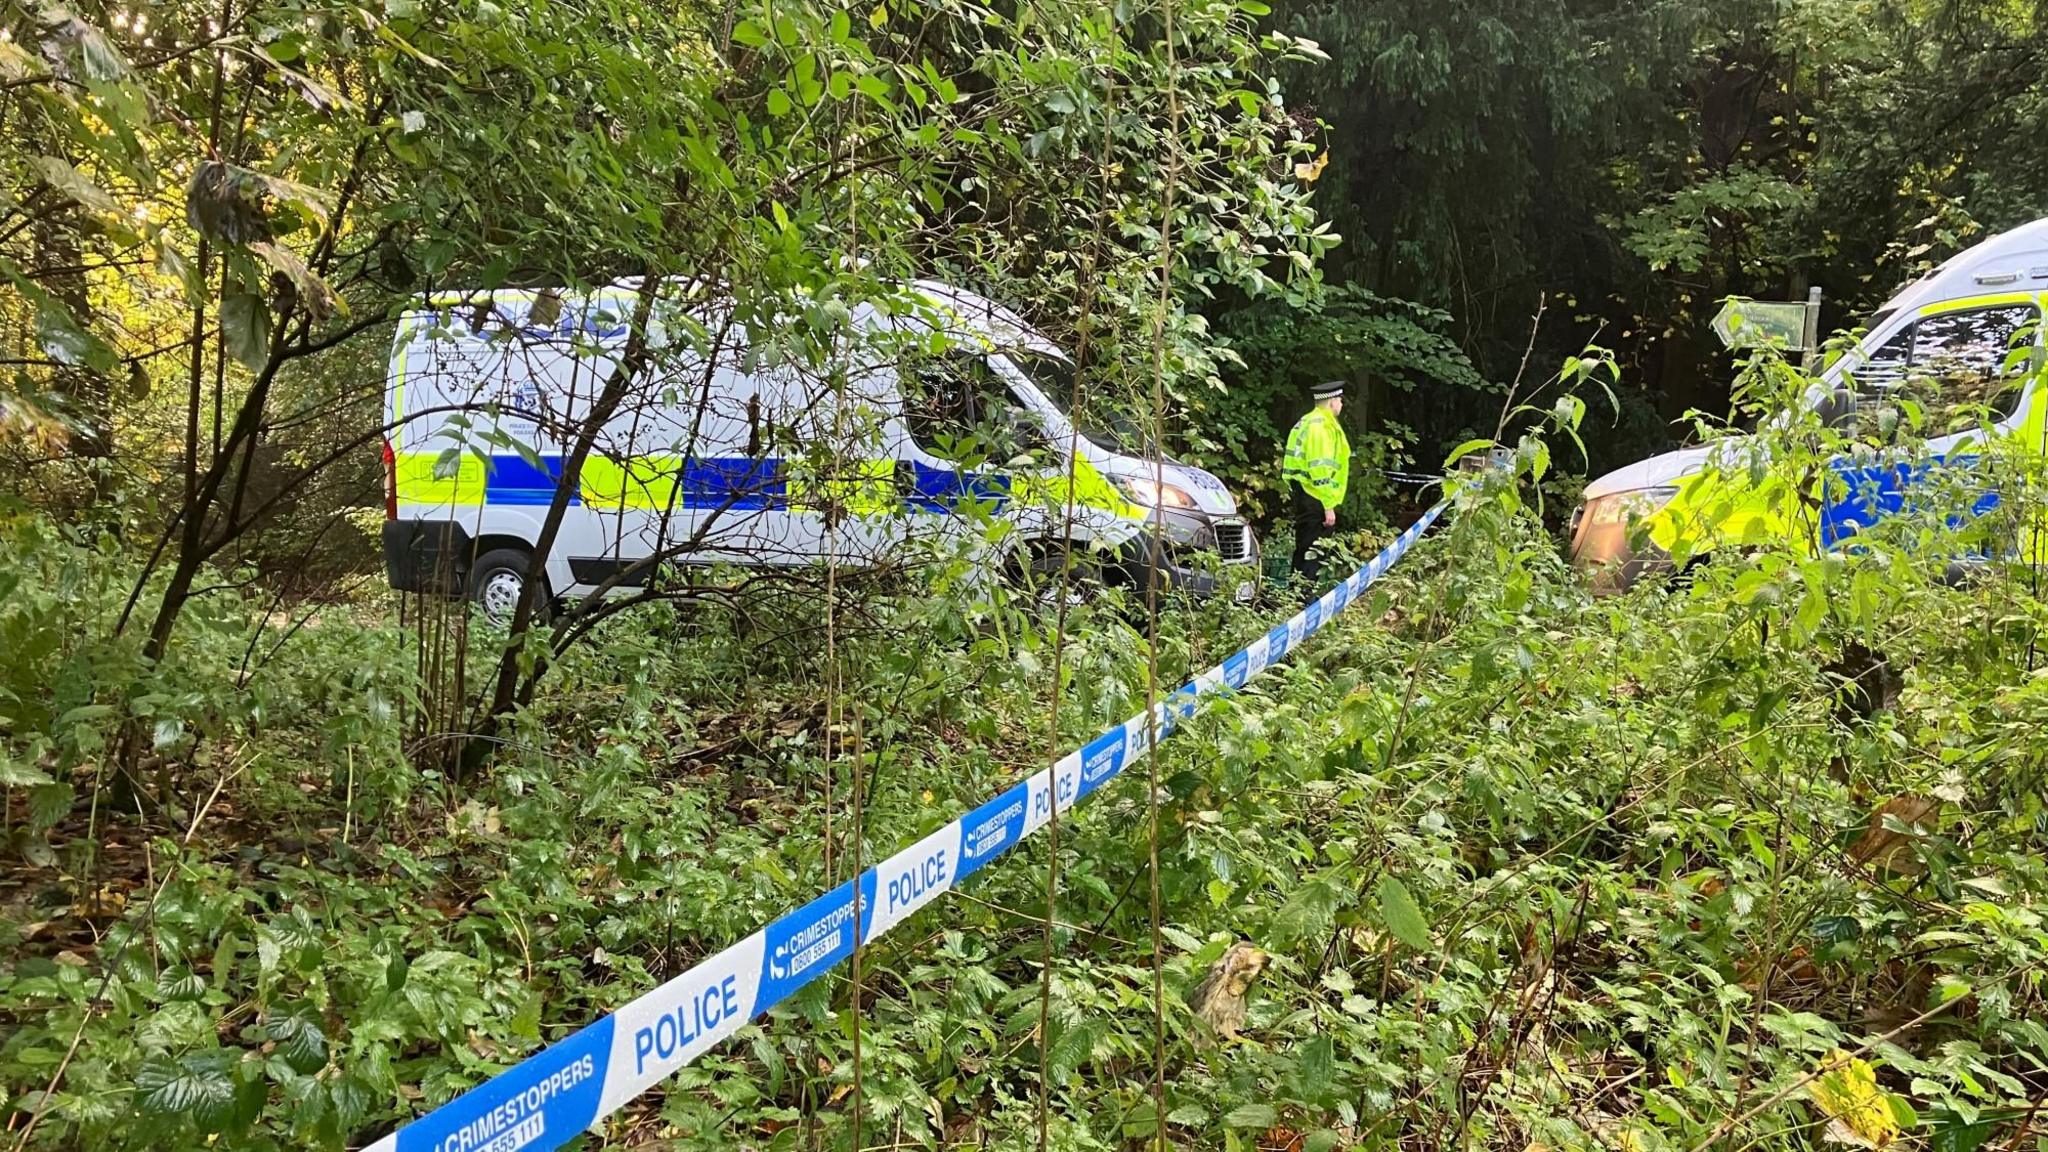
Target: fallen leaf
[1882, 847]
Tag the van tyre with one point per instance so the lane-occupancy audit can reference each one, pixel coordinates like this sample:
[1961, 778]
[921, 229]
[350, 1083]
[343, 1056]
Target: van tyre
[1037, 569]
[497, 579]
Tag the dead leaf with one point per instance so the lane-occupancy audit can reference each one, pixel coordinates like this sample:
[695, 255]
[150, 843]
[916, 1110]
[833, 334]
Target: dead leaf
[107, 902]
[1883, 848]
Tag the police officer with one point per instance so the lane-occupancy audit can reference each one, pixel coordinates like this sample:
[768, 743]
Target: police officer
[1317, 465]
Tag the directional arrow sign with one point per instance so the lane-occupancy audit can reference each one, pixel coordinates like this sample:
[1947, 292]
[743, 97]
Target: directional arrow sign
[1760, 323]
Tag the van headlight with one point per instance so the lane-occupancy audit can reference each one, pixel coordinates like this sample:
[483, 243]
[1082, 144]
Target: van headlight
[1622, 507]
[1153, 494]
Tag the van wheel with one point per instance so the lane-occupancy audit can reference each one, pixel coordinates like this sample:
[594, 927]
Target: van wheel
[496, 581]
[1037, 571]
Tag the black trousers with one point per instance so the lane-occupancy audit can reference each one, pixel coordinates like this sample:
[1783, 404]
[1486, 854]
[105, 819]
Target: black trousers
[1308, 532]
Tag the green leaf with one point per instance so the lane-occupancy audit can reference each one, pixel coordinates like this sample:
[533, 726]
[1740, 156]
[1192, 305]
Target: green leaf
[300, 1039]
[73, 184]
[49, 803]
[1402, 915]
[1188, 1114]
[245, 321]
[15, 774]
[1260, 1116]
[197, 1086]
[169, 730]
[525, 1022]
[779, 103]
[85, 714]
[1951, 1134]
[60, 337]
[1308, 911]
[1469, 447]
[1070, 1050]
[1316, 1065]
[1836, 929]
[319, 300]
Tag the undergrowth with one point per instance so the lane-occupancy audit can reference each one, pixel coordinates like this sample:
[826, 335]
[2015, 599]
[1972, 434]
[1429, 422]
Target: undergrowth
[1533, 870]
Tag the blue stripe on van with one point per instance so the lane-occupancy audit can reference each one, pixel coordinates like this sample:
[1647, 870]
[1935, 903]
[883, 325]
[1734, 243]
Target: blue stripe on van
[1880, 490]
[510, 479]
[945, 489]
[738, 483]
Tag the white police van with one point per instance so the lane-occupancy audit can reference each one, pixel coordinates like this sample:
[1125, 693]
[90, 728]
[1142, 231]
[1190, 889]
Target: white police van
[1964, 340]
[942, 414]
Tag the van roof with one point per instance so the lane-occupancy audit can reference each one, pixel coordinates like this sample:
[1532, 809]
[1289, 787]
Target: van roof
[2015, 259]
[978, 315]
[1001, 326]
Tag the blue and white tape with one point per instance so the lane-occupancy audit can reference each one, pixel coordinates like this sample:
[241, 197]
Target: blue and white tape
[545, 1100]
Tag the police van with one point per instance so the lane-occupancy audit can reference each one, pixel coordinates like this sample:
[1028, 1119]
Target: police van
[943, 414]
[1952, 348]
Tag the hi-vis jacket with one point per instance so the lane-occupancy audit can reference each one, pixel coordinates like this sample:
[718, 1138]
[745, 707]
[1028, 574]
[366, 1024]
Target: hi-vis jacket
[1319, 457]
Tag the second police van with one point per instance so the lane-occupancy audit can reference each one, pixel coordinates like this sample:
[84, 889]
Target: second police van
[725, 454]
[1965, 339]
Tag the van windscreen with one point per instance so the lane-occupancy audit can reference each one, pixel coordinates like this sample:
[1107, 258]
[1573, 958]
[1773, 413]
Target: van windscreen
[1106, 427]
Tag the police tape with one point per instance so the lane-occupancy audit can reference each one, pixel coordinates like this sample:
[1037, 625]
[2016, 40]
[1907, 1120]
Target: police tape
[547, 1099]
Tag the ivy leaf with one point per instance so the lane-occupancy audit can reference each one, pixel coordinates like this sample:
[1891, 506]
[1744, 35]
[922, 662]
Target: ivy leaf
[1402, 915]
[245, 320]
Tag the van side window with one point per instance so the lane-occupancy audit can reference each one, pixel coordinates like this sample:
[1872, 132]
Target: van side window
[1952, 372]
[956, 404]
[1886, 365]
[1967, 347]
